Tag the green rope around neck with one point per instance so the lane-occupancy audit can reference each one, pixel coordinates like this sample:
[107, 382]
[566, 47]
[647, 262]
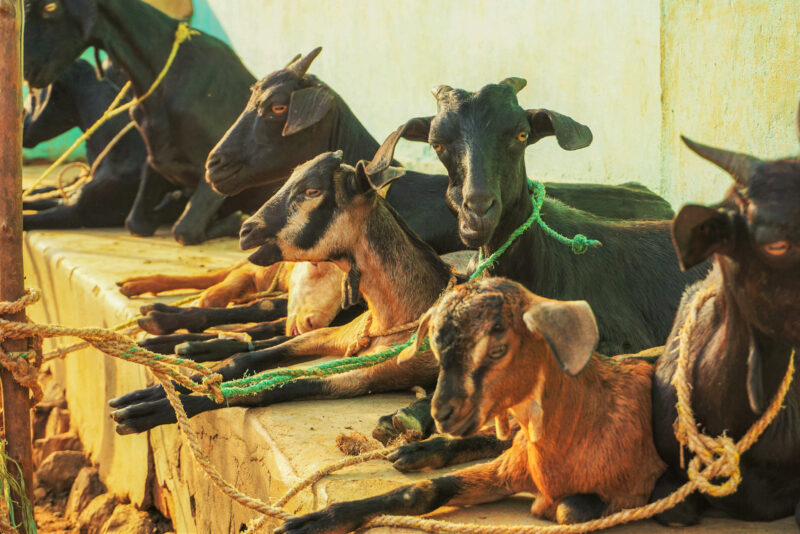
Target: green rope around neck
[252, 385]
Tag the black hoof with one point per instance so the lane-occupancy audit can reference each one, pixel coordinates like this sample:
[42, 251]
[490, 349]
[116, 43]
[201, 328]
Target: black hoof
[579, 508]
[429, 454]
[140, 395]
[212, 350]
[413, 420]
[143, 416]
[166, 344]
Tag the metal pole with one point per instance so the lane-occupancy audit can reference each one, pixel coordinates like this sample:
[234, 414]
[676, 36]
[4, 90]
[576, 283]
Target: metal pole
[16, 403]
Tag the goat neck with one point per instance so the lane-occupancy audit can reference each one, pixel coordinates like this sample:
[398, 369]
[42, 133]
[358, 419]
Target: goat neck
[401, 276]
[350, 136]
[138, 38]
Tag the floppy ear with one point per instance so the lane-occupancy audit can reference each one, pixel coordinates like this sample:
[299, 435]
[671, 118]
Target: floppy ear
[84, 12]
[698, 232]
[570, 134]
[422, 333]
[307, 107]
[568, 327]
[416, 129]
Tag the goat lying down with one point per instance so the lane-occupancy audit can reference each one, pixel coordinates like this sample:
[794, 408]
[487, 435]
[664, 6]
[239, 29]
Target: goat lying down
[327, 211]
[503, 349]
[743, 338]
[313, 288]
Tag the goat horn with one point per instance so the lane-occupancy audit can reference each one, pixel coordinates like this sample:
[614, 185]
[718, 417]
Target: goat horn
[740, 166]
[339, 154]
[300, 67]
[438, 91]
[517, 84]
[295, 58]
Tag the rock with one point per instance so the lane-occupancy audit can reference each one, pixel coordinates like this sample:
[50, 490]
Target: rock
[44, 447]
[57, 422]
[86, 487]
[92, 519]
[59, 470]
[127, 519]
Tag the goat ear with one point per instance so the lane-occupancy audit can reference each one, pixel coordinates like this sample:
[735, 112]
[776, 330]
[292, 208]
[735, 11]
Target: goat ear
[384, 177]
[416, 129]
[307, 107]
[84, 12]
[698, 232]
[422, 333]
[351, 294]
[570, 134]
[568, 327]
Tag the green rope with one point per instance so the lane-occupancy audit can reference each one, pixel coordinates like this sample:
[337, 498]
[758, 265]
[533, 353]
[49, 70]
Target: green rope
[254, 384]
[13, 488]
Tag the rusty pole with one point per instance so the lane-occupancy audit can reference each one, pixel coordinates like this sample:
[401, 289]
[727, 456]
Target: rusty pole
[16, 403]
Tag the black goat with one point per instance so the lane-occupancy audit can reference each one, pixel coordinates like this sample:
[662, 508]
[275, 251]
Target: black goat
[199, 98]
[293, 116]
[78, 98]
[743, 338]
[632, 282]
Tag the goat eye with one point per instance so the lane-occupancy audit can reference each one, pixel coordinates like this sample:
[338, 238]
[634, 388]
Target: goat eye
[778, 248]
[522, 137]
[498, 351]
[279, 108]
[437, 147]
[50, 7]
[311, 193]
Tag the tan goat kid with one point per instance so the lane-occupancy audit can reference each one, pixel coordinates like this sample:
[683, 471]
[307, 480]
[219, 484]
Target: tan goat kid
[585, 448]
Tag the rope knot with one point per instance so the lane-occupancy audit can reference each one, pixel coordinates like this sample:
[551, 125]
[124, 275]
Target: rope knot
[720, 462]
[212, 383]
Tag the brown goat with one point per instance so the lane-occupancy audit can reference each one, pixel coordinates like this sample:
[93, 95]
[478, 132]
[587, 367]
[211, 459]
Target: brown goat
[585, 448]
[314, 289]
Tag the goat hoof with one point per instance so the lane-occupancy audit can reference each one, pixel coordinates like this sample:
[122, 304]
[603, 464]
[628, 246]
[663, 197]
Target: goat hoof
[212, 350]
[428, 454]
[140, 395]
[143, 417]
[331, 520]
[414, 420]
[579, 508]
[683, 514]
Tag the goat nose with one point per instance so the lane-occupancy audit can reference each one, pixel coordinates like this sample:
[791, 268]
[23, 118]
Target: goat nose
[444, 412]
[247, 228]
[480, 204]
[215, 161]
[309, 320]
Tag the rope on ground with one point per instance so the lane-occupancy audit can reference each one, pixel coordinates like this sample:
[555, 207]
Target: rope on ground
[182, 33]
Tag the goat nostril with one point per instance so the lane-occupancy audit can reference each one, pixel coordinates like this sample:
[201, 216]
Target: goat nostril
[480, 206]
[247, 229]
[309, 323]
[444, 412]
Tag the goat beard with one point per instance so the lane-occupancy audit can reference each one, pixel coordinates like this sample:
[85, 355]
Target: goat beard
[267, 254]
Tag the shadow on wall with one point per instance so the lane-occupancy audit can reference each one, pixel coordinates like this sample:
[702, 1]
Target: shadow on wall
[201, 16]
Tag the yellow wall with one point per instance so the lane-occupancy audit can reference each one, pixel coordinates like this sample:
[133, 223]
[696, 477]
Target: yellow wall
[729, 73]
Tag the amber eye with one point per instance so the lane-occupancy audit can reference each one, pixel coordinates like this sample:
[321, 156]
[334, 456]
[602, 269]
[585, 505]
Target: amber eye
[50, 7]
[778, 248]
[311, 193]
[437, 147]
[279, 108]
[498, 351]
[522, 137]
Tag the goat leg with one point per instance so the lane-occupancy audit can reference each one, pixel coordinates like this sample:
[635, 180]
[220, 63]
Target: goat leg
[215, 350]
[164, 319]
[477, 484]
[166, 344]
[415, 419]
[441, 451]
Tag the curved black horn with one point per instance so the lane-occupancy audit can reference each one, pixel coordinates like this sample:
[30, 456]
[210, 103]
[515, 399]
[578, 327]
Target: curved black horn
[517, 84]
[440, 90]
[740, 166]
[300, 67]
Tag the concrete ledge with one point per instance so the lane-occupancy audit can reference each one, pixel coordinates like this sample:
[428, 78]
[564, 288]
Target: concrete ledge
[262, 451]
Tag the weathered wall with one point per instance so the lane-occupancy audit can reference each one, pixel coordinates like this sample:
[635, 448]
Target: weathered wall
[729, 73]
[731, 78]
